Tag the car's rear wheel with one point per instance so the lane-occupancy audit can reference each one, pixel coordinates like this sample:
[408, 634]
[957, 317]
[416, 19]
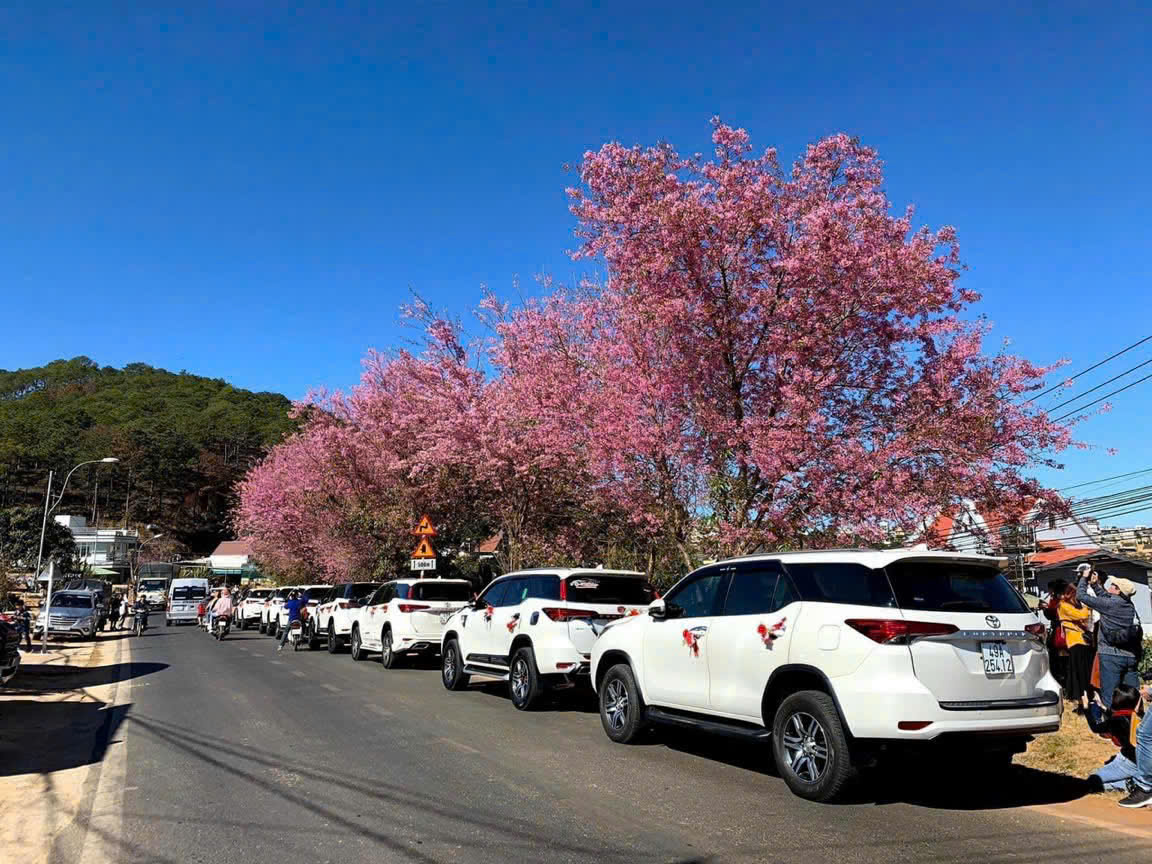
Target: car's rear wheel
[811, 747]
[260, 628]
[313, 639]
[523, 679]
[357, 648]
[621, 708]
[333, 644]
[452, 672]
[388, 657]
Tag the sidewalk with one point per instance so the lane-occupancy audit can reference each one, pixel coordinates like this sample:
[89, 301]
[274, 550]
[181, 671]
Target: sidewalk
[58, 717]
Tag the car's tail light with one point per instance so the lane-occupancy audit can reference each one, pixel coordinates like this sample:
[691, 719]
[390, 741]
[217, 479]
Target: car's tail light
[563, 592]
[412, 607]
[896, 631]
[913, 725]
[1037, 630]
[568, 614]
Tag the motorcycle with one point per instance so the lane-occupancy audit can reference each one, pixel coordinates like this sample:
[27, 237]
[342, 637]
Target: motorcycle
[297, 634]
[140, 621]
[223, 625]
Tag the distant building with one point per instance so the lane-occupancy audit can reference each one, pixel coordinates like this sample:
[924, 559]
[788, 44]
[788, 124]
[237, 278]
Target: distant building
[101, 547]
[231, 562]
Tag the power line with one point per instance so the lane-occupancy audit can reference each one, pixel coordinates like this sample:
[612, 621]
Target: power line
[1089, 369]
[1102, 398]
[1105, 479]
[1098, 386]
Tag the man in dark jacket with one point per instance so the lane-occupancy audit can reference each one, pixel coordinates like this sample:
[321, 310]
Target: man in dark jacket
[1117, 649]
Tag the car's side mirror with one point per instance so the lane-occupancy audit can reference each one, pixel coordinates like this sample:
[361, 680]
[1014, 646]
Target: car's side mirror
[479, 604]
[657, 610]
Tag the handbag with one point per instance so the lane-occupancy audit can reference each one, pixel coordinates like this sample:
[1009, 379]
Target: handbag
[1060, 638]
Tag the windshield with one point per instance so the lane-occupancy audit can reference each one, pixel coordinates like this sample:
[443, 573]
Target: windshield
[433, 590]
[72, 601]
[952, 586]
[188, 592]
[593, 588]
[153, 584]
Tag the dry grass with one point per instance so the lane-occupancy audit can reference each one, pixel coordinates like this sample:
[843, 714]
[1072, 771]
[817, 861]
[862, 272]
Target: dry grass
[1075, 750]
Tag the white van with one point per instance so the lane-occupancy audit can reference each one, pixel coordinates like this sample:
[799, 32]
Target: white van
[184, 599]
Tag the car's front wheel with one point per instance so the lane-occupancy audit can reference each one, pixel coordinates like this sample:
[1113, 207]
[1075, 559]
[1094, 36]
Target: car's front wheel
[333, 644]
[621, 708]
[357, 648]
[811, 747]
[523, 680]
[452, 672]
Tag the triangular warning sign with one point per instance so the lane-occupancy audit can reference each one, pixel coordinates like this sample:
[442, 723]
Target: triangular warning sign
[424, 549]
[424, 529]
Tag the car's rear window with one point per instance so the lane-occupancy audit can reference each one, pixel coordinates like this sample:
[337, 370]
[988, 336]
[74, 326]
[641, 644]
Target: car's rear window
[188, 592]
[832, 582]
[950, 586]
[592, 588]
[433, 590]
[360, 590]
[258, 594]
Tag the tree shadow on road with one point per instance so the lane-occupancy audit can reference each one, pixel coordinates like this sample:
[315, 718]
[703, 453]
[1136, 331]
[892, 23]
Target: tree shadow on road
[31, 680]
[40, 737]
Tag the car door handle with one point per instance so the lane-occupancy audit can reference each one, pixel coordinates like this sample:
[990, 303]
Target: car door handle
[699, 632]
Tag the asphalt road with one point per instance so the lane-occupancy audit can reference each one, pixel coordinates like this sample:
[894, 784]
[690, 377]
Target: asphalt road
[236, 753]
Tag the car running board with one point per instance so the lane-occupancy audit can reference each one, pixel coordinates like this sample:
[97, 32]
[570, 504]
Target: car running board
[490, 673]
[733, 729]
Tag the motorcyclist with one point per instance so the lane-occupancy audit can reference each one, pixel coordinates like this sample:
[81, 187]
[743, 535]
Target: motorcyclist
[292, 607]
[222, 609]
[140, 610]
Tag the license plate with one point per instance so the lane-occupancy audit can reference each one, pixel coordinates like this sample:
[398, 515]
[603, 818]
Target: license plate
[444, 616]
[997, 660]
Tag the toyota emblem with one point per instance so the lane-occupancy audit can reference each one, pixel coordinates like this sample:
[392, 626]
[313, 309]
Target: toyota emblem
[992, 621]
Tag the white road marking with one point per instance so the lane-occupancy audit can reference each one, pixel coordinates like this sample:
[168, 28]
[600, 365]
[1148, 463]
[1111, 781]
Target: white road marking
[376, 709]
[330, 688]
[458, 745]
[298, 673]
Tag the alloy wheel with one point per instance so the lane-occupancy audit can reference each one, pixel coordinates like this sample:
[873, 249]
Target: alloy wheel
[806, 747]
[449, 670]
[616, 703]
[520, 680]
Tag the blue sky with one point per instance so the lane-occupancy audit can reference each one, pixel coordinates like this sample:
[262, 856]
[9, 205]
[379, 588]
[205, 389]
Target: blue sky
[248, 190]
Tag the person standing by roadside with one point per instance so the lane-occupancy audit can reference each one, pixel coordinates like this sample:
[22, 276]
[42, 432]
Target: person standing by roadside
[24, 622]
[1119, 646]
[122, 618]
[1075, 621]
[1141, 794]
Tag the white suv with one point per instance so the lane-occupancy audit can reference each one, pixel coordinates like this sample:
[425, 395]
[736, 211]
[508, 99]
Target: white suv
[406, 616]
[332, 619]
[313, 596]
[839, 657]
[251, 607]
[535, 628]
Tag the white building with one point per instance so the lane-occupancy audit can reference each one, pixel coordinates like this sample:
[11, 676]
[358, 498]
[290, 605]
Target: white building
[100, 546]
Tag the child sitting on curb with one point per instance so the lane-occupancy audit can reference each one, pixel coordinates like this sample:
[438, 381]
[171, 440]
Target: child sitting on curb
[1118, 723]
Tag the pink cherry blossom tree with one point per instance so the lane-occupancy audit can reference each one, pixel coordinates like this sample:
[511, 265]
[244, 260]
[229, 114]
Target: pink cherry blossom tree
[773, 359]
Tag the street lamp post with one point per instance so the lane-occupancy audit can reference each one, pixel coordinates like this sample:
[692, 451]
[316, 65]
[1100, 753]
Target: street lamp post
[43, 528]
[134, 574]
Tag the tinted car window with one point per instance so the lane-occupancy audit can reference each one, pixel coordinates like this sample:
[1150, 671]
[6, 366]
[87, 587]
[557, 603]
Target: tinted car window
[402, 592]
[544, 587]
[841, 583]
[514, 594]
[358, 590]
[495, 594]
[785, 593]
[594, 588]
[753, 589]
[436, 590]
[188, 592]
[72, 601]
[698, 594]
[947, 586]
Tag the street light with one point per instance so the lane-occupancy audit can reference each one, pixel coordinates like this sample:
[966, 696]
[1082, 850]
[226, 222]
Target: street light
[43, 528]
[134, 574]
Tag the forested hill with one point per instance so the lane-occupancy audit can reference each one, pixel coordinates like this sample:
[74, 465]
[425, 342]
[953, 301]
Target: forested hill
[182, 440]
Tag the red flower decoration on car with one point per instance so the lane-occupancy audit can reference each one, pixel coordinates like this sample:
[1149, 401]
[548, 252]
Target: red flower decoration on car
[512, 622]
[632, 612]
[768, 635]
[488, 610]
[693, 642]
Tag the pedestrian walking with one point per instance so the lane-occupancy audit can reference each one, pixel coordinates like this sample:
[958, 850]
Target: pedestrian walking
[1075, 621]
[24, 622]
[123, 616]
[1119, 646]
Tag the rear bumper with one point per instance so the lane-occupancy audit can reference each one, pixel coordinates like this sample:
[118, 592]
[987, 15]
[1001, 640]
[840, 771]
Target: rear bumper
[874, 706]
